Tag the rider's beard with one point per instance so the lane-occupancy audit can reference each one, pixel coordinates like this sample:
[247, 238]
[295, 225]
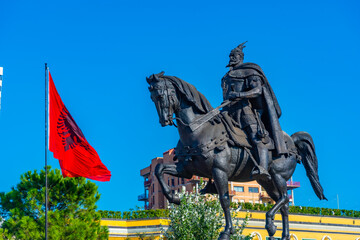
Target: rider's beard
[231, 64]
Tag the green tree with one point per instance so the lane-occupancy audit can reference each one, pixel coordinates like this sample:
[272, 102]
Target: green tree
[200, 217]
[72, 209]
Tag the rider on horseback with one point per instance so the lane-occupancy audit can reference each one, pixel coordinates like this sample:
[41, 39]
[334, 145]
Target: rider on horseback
[254, 107]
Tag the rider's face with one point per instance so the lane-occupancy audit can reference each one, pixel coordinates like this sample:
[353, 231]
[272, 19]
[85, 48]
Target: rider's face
[235, 59]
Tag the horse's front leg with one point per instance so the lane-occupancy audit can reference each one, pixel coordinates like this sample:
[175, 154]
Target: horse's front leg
[177, 170]
[221, 178]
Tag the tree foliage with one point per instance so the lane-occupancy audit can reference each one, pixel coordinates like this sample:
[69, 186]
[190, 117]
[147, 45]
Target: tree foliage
[200, 217]
[71, 212]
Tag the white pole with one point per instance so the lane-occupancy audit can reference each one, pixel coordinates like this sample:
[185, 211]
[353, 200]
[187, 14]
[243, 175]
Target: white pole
[292, 193]
[1, 75]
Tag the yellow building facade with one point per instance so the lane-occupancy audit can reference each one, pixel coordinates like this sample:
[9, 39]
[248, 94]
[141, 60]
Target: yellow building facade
[302, 227]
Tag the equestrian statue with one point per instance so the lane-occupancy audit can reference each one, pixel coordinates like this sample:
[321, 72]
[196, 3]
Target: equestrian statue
[241, 140]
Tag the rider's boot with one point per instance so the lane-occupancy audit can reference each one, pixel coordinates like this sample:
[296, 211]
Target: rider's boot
[262, 170]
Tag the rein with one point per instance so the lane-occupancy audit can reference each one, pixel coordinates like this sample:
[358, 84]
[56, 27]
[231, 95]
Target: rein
[179, 119]
[171, 102]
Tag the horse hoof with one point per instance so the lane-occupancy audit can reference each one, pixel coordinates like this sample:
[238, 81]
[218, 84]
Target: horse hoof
[224, 236]
[285, 238]
[271, 228]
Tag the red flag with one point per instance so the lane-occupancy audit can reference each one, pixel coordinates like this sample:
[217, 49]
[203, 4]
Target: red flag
[77, 158]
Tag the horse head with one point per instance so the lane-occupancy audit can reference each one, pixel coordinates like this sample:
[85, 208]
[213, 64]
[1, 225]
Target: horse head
[163, 94]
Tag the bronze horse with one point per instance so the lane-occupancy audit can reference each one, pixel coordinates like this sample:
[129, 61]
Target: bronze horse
[209, 152]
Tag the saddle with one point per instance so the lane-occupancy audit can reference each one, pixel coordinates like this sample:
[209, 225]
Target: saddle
[232, 135]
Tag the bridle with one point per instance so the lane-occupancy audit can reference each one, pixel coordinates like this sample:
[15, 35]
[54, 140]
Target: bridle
[170, 102]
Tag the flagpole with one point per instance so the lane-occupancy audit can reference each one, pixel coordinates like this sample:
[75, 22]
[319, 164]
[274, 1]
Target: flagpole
[46, 143]
[1, 75]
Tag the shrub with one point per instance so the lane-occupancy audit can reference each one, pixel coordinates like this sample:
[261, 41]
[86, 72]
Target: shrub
[200, 217]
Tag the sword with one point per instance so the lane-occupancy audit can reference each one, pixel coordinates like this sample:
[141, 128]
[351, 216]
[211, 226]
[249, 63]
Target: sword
[208, 116]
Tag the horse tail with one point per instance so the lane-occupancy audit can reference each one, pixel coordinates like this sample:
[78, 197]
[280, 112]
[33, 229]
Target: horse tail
[306, 148]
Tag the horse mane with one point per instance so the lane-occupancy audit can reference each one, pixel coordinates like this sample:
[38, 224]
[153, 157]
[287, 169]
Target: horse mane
[191, 94]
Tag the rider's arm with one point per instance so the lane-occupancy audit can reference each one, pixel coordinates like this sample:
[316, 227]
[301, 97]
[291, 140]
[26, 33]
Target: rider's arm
[255, 88]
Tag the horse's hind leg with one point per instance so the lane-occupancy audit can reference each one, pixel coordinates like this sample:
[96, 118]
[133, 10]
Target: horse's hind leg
[177, 170]
[275, 195]
[277, 189]
[285, 221]
[282, 204]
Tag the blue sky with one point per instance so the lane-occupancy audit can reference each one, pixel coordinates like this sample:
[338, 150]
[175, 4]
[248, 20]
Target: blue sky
[99, 53]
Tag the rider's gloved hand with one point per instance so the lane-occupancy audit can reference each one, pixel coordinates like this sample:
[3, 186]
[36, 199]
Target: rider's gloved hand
[233, 95]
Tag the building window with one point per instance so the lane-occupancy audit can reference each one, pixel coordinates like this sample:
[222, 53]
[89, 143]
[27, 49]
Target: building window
[239, 189]
[182, 181]
[153, 188]
[172, 182]
[253, 189]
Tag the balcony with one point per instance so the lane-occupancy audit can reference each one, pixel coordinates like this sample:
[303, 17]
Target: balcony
[142, 197]
[292, 185]
[147, 183]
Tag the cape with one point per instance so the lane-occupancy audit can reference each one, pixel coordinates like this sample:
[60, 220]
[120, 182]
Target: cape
[249, 69]
[272, 111]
